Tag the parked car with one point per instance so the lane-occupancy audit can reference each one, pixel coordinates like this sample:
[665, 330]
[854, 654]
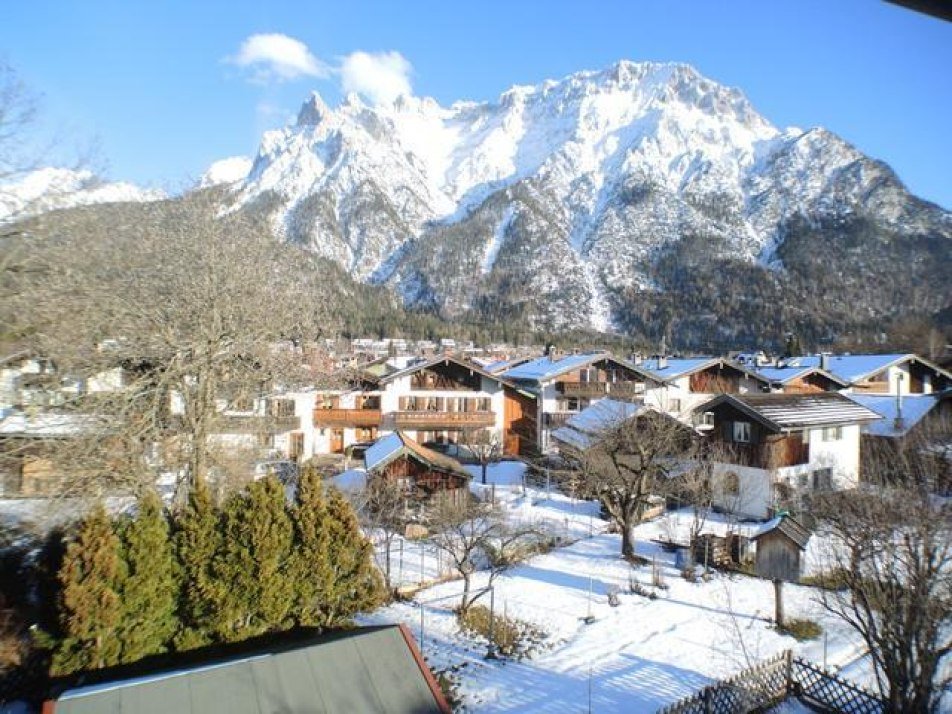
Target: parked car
[357, 451]
[286, 471]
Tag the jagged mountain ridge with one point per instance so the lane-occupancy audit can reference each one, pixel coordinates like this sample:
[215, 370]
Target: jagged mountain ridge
[597, 200]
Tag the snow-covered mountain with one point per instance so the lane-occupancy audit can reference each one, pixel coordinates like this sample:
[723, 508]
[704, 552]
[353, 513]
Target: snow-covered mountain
[47, 189]
[563, 203]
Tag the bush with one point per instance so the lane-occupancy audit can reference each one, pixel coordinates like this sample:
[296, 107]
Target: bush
[513, 638]
[801, 629]
[834, 579]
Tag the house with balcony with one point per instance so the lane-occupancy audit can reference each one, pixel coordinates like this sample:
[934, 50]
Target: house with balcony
[564, 385]
[880, 374]
[443, 400]
[771, 449]
[686, 383]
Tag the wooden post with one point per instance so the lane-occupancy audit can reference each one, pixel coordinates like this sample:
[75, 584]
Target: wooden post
[778, 602]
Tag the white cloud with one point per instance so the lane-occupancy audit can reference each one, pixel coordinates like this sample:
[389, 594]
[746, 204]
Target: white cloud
[277, 57]
[381, 77]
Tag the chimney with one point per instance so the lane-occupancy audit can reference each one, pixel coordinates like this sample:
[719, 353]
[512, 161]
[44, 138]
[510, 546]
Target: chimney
[824, 361]
[662, 362]
[636, 358]
[898, 422]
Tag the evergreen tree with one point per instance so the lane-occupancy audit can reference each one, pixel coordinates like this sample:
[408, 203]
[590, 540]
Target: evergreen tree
[311, 569]
[355, 584]
[197, 543]
[149, 592]
[90, 609]
[253, 567]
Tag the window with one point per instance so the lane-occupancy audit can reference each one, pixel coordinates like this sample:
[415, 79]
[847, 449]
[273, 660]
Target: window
[822, 479]
[832, 433]
[731, 484]
[803, 480]
[742, 432]
[706, 419]
[674, 405]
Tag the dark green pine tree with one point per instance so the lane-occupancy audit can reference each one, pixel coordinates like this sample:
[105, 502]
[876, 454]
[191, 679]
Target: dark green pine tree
[356, 585]
[311, 569]
[90, 608]
[255, 563]
[149, 592]
[198, 541]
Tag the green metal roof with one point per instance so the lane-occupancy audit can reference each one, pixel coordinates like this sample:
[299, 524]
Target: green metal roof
[374, 669]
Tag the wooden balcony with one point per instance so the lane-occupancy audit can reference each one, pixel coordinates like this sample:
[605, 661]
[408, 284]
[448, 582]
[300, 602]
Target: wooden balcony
[442, 420]
[600, 389]
[770, 454]
[347, 417]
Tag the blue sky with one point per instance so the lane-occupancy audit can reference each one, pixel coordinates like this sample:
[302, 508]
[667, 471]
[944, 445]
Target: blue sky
[168, 87]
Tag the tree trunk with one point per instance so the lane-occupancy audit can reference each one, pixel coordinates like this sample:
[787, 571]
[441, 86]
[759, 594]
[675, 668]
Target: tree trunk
[484, 464]
[466, 588]
[627, 542]
[778, 602]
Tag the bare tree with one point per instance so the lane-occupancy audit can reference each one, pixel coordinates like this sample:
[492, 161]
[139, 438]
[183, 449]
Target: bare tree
[694, 486]
[891, 554]
[382, 508]
[476, 537]
[485, 446]
[194, 310]
[631, 459]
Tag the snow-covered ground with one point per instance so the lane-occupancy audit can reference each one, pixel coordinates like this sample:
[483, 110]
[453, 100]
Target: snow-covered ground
[636, 656]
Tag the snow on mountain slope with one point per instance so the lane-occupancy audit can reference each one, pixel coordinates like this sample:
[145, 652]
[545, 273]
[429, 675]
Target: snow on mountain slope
[554, 200]
[230, 170]
[52, 188]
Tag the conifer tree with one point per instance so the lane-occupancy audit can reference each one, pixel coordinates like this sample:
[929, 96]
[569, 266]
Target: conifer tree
[197, 543]
[355, 583]
[311, 569]
[255, 563]
[149, 592]
[90, 609]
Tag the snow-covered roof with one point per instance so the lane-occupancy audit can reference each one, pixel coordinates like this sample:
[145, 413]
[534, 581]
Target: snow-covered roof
[382, 450]
[547, 367]
[675, 368]
[793, 412]
[782, 375]
[582, 429]
[914, 408]
[425, 364]
[392, 446]
[850, 367]
[500, 366]
[350, 481]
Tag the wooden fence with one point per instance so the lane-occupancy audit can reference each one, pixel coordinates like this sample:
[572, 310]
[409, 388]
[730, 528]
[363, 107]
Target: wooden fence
[773, 681]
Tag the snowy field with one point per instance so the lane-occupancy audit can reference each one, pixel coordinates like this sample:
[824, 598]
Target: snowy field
[633, 657]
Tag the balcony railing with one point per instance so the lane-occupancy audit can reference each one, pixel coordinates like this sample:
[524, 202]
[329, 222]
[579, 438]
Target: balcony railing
[436, 420]
[347, 417]
[598, 389]
[770, 455]
[553, 420]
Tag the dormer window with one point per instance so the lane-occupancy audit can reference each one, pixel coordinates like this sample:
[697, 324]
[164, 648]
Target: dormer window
[741, 432]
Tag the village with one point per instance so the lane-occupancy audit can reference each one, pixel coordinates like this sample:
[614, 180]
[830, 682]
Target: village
[421, 358]
[546, 451]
